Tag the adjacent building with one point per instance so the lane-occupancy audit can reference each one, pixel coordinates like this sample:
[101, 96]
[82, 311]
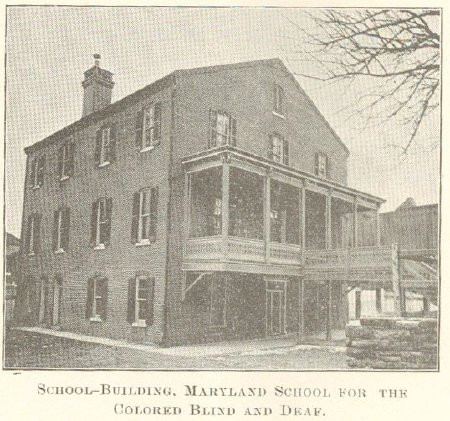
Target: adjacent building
[212, 204]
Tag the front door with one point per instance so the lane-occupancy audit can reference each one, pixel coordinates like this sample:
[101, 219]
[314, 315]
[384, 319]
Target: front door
[275, 308]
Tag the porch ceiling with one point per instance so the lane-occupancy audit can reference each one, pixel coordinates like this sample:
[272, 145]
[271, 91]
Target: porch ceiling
[227, 153]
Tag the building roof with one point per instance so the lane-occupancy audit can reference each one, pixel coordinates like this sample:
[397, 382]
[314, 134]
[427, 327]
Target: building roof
[167, 81]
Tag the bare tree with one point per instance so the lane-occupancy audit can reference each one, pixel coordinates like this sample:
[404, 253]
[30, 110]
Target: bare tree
[400, 49]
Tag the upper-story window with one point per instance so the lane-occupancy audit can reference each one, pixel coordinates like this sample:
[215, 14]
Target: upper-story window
[321, 167]
[105, 146]
[222, 129]
[32, 241]
[37, 172]
[279, 149]
[148, 127]
[140, 300]
[65, 160]
[101, 223]
[278, 100]
[61, 225]
[145, 209]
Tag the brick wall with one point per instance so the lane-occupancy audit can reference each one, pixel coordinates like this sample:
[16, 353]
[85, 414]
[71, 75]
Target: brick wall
[392, 343]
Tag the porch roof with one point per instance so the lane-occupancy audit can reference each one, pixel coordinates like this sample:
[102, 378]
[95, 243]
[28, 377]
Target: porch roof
[222, 151]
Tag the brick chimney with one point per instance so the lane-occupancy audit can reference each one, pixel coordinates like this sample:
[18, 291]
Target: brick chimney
[97, 86]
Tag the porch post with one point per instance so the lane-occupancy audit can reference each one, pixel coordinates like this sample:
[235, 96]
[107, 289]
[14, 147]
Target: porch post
[267, 217]
[301, 311]
[329, 308]
[303, 216]
[225, 206]
[355, 223]
[377, 228]
[344, 295]
[396, 281]
[187, 207]
[328, 240]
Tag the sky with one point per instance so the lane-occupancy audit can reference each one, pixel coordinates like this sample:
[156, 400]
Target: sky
[49, 48]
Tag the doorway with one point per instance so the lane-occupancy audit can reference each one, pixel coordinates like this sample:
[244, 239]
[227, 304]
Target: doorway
[275, 308]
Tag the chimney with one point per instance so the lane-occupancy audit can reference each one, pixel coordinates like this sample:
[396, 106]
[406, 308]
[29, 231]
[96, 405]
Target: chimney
[97, 86]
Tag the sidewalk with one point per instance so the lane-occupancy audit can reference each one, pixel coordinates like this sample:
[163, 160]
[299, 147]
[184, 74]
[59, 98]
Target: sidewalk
[248, 347]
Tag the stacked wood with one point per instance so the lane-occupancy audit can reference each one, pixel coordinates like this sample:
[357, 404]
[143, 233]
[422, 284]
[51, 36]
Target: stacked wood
[392, 343]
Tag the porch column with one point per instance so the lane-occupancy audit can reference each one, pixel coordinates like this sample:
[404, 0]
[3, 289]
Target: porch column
[396, 287]
[377, 228]
[267, 217]
[187, 206]
[225, 206]
[328, 241]
[301, 311]
[344, 295]
[355, 223]
[302, 219]
[329, 311]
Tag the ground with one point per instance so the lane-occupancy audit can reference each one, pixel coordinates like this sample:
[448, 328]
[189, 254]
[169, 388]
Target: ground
[34, 350]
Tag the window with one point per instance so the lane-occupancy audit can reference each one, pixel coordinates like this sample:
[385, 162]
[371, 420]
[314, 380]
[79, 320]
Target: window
[148, 127]
[218, 302]
[278, 100]
[321, 165]
[279, 149]
[144, 219]
[105, 146]
[65, 161]
[32, 242]
[101, 223]
[97, 298]
[61, 224]
[222, 129]
[215, 223]
[37, 172]
[140, 301]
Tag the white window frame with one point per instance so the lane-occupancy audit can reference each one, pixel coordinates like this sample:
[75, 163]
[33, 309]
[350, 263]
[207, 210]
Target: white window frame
[279, 101]
[141, 239]
[224, 314]
[105, 147]
[65, 161]
[101, 204]
[137, 302]
[277, 144]
[148, 128]
[94, 316]
[321, 165]
[59, 248]
[35, 174]
[31, 251]
[223, 123]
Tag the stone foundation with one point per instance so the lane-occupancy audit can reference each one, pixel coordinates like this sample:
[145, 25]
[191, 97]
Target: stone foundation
[392, 343]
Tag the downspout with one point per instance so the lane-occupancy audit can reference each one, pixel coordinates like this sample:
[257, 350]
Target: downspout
[169, 213]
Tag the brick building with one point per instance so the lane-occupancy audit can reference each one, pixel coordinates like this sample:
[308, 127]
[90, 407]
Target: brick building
[211, 204]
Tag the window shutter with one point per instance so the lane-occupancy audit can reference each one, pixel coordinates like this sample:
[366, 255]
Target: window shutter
[233, 125]
[60, 161]
[138, 129]
[270, 148]
[107, 226]
[32, 171]
[65, 229]
[55, 231]
[71, 159]
[153, 213]
[89, 298]
[112, 143]
[37, 232]
[157, 123]
[316, 164]
[94, 223]
[41, 166]
[328, 169]
[212, 128]
[150, 300]
[131, 300]
[135, 218]
[102, 289]
[285, 152]
[98, 147]
[28, 236]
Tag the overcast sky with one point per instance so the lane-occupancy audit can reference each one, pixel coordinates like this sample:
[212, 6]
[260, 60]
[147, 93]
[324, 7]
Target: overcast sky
[49, 48]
